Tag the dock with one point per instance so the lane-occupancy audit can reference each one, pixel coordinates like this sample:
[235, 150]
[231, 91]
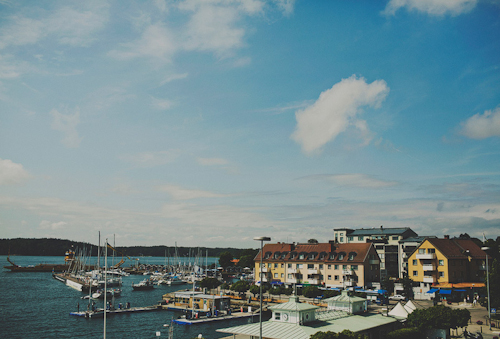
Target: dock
[100, 312]
[238, 315]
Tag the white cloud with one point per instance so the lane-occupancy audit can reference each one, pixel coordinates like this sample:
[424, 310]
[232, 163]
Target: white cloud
[335, 110]
[179, 193]
[174, 77]
[357, 180]
[161, 104]
[213, 25]
[433, 7]
[212, 161]
[67, 125]
[9, 68]
[47, 225]
[286, 6]
[482, 126]
[76, 27]
[151, 159]
[12, 173]
[157, 41]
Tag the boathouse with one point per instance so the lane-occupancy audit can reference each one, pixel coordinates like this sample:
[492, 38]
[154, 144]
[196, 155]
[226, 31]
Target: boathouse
[347, 303]
[199, 301]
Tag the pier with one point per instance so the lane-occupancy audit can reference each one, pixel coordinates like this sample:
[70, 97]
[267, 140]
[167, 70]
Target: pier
[100, 312]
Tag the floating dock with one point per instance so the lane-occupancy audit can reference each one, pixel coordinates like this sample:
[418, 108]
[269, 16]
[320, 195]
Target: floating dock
[100, 312]
[238, 315]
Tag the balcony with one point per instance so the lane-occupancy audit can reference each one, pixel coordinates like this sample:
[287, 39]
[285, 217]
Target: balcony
[349, 283]
[292, 281]
[347, 272]
[313, 281]
[292, 270]
[374, 262]
[265, 269]
[429, 279]
[312, 271]
[429, 267]
[426, 256]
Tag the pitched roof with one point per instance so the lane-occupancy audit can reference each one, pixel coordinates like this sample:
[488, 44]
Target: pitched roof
[284, 252]
[380, 231]
[457, 248]
[293, 304]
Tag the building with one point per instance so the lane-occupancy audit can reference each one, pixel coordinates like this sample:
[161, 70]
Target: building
[405, 248]
[347, 303]
[297, 320]
[448, 261]
[322, 264]
[386, 241]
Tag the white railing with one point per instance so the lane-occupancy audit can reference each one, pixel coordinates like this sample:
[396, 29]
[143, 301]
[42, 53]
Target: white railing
[425, 256]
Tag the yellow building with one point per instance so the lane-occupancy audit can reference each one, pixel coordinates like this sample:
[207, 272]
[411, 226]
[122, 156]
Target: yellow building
[447, 261]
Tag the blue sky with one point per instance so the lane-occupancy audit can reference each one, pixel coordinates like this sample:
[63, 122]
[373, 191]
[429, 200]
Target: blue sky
[212, 122]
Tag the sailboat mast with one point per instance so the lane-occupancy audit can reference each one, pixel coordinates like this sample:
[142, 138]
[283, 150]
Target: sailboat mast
[105, 285]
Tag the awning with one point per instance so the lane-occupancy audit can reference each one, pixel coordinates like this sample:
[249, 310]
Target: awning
[460, 290]
[276, 283]
[445, 292]
[381, 291]
[432, 290]
[469, 285]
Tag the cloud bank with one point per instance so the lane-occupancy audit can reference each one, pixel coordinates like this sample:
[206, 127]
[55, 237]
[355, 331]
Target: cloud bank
[335, 110]
[12, 173]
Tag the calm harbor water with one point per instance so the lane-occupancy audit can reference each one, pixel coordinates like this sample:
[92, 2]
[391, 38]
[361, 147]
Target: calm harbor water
[35, 305]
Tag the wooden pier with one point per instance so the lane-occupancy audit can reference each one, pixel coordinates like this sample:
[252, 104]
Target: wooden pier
[238, 315]
[100, 312]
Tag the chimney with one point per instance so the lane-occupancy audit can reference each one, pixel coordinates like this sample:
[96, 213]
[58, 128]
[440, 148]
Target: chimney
[446, 236]
[381, 227]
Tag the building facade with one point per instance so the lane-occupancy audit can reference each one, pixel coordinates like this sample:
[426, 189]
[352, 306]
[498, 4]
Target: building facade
[322, 264]
[445, 261]
[385, 240]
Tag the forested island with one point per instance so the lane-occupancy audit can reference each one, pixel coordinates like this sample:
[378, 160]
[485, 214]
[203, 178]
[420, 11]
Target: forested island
[57, 247]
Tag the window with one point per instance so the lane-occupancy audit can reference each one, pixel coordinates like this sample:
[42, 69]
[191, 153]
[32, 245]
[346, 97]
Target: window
[415, 273]
[414, 262]
[299, 265]
[282, 275]
[382, 265]
[282, 265]
[441, 262]
[421, 251]
[350, 238]
[310, 266]
[269, 265]
[395, 237]
[341, 256]
[354, 267]
[301, 256]
[431, 250]
[344, 267]
[275, 275]
[329, 267]
[329, 277]
[336, 267]
[320, 266]
[277, 316]
[289, 265]
[275, 265]
[289, 276]
[441, 274]
[382, 255]
[360, 237]
[341, 239]
[336, 277]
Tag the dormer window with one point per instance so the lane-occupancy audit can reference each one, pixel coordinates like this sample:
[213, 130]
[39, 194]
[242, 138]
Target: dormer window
[267, 255]
[302, 255]
[312, 255]
[283, 255]
[352, 255]
[332, 255]
[322, 255]
[293, 255]
[341, 256]
[277, 255]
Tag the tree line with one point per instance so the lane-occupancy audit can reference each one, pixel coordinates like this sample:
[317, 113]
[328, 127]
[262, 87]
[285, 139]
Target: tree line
[57, 247]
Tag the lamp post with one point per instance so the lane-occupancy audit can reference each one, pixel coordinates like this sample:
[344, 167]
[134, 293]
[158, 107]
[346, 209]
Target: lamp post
[487, 285]
[261, 239]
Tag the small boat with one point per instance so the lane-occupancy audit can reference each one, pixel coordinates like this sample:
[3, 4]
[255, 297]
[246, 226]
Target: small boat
[116, 292]
[175, 280]
[146, 284]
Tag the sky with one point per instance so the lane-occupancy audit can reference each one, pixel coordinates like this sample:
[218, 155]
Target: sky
[209, 123]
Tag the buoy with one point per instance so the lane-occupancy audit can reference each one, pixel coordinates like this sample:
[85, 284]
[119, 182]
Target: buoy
[166, 325]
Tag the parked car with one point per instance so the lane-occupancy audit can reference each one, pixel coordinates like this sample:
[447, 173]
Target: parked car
[397, 297]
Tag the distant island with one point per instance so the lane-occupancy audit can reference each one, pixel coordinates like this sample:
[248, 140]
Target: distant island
[57, 247]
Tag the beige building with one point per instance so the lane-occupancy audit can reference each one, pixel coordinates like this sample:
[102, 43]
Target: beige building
[322, 264]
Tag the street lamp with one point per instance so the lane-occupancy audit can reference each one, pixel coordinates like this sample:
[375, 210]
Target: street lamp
[487, 284]
[261, 239]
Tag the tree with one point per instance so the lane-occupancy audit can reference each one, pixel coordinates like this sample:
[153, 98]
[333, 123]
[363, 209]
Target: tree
[345, 334]
[438, 317]
[210, 283]
[312, 241]
[225, 259]
[388, 285]
[254, 289]
[405, 333]
[311, 292]
[247, 261]
[276, 290]
[407, 283]
[240, 286]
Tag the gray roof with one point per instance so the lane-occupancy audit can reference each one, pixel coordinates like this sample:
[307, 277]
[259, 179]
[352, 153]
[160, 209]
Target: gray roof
[293, 305]
[279, 330]
[345, 298]
[417, 239]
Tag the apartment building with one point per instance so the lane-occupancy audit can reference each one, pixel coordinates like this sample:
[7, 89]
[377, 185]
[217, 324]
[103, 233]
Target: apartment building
[445, 261]
[386, 242]
[405, 249]
[323, 264]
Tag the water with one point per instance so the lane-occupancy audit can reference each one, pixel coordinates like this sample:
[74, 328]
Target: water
[35, 305]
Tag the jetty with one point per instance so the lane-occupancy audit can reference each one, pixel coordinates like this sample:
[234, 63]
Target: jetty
[194, 321]
[100, 311]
